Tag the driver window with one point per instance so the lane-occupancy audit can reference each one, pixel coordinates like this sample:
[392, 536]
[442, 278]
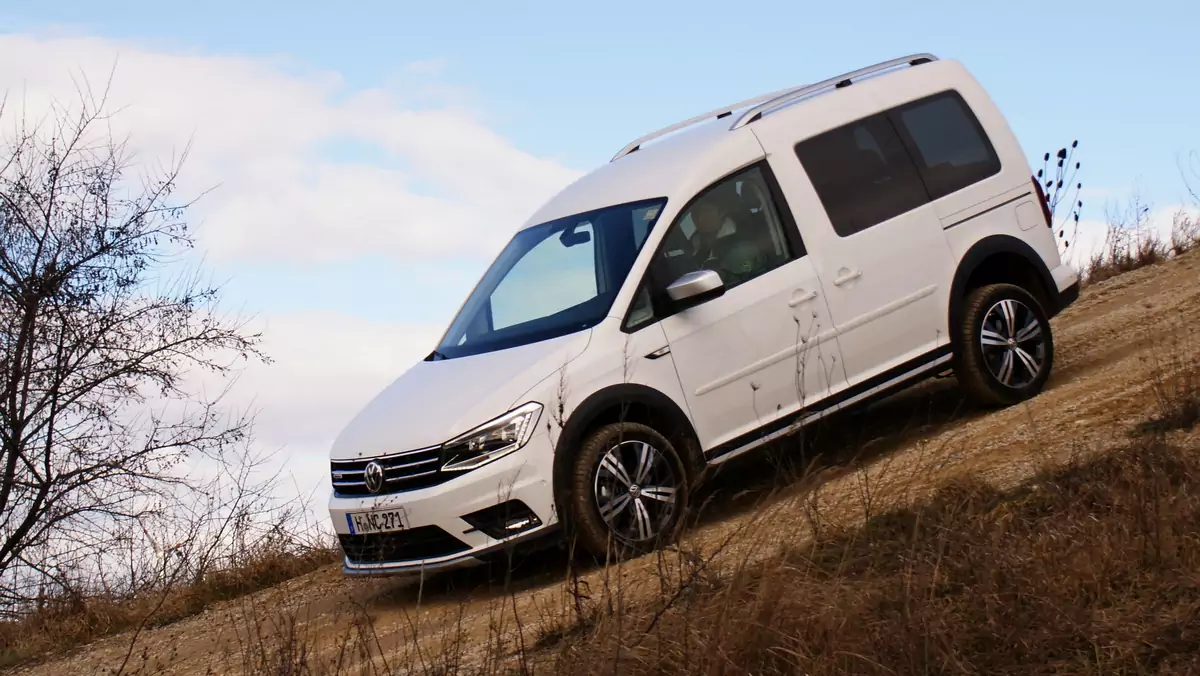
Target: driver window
[732, 228]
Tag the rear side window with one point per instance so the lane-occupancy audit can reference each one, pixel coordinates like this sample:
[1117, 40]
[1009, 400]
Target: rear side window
[862, 173]
[947, 143]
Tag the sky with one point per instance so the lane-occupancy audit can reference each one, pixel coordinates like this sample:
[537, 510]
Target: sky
[359, 165]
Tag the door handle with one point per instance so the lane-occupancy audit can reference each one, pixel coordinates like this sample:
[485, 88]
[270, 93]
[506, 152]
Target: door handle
[847, 277]
[803, 298]
[660, 352]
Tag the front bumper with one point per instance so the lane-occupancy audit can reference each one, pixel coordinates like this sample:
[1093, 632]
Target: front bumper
[434, 535]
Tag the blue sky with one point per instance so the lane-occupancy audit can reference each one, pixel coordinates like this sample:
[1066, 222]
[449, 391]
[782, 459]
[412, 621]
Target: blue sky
[574, 83]
[543, 91]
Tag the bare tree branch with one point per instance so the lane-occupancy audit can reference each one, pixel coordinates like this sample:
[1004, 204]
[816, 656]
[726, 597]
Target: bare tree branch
[95, 417]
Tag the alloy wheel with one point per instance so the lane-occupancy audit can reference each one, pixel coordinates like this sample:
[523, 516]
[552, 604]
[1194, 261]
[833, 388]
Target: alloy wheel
[1013, 342]
[635, 490]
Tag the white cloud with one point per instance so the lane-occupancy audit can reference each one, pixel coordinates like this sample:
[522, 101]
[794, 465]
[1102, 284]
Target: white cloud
[262, 130]
[306, 170]
[325, 367]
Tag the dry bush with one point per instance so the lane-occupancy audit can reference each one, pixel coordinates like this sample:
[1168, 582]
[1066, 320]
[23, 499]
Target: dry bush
[65, 620]
[233, 538]
[1130, 242]
[1185, 225]
[1174, 379]
[1185, 231]
[1057, 180]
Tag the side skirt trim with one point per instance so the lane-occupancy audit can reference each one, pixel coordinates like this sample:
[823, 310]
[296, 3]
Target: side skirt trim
[886, 383]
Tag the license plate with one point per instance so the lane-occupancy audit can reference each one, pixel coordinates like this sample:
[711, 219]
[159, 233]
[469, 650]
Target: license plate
[377, 522]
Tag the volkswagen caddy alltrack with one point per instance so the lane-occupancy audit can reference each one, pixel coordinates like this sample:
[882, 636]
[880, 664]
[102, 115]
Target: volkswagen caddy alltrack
[719, 284]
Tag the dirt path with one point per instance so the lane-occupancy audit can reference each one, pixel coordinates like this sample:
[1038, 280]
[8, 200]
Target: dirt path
[1105, 346]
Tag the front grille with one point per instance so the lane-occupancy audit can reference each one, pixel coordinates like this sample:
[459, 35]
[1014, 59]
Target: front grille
[406, 471]
[426, 542]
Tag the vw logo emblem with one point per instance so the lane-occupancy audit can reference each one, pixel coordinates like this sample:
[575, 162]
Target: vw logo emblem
[373, 477]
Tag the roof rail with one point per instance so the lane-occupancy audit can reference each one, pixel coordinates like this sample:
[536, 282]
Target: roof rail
[844, 80]
[723, 111]
[767, 101]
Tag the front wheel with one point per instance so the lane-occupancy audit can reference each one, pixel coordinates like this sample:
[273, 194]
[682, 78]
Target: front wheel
[628, 491]
[1005, 347]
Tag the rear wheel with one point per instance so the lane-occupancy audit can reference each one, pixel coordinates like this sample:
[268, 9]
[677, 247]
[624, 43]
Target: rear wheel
[1005, 347]
[628, 491]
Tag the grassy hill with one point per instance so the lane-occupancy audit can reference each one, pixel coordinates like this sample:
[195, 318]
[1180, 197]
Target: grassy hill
[1058, 536]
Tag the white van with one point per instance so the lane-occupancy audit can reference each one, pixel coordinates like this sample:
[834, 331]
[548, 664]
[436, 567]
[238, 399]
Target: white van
[719, 284]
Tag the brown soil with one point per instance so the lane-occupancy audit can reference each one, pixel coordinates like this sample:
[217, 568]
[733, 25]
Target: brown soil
[899, 450]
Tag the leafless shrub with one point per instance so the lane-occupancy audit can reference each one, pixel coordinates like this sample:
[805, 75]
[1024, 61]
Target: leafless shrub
[1130, 242]
[1058, 180]
[97, 340]
[1185, 231]
[236, 538]
[125, 500]
[1173, 374]
[1185, 223]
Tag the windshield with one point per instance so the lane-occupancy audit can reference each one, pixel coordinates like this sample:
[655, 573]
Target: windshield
[551, 279]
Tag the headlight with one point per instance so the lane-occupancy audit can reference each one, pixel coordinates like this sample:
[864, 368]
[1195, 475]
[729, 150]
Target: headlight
[491, 440]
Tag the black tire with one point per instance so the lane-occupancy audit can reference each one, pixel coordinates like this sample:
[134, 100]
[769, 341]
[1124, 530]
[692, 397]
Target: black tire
[591, 486]
[1000, 358]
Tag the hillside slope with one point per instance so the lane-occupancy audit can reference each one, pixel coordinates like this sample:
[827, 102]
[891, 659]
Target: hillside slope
[1107, 344]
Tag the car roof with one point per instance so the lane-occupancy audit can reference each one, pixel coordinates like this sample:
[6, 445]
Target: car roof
[661, 169]
[689, 155]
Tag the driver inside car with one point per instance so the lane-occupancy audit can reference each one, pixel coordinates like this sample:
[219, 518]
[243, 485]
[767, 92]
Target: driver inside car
[717, 244]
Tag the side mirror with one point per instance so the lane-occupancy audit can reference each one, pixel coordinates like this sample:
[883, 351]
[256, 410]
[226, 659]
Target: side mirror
[694, 288]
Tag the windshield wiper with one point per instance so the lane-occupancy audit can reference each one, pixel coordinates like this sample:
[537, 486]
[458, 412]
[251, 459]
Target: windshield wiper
[436, 356]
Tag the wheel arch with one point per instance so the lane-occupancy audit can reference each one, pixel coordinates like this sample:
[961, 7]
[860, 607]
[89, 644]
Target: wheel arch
[625, 402]
[1002, 259]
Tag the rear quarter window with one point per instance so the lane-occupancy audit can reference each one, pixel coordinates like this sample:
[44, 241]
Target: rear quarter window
[862, 173]
[947, 143]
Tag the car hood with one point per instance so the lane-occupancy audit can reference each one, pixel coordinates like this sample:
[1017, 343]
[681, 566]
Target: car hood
[434, 401]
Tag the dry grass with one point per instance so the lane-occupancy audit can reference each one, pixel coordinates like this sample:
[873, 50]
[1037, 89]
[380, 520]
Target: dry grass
[1088, 569]
[63, 622]
[1175, 386]
[1131, 243]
